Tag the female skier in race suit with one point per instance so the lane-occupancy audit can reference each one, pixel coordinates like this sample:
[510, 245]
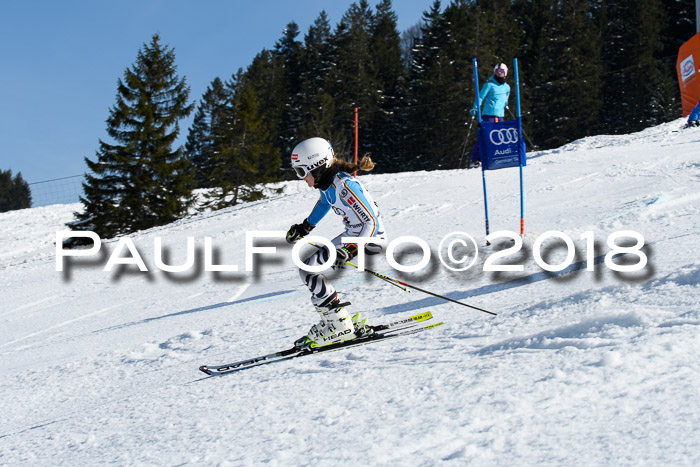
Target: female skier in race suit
[313, 161]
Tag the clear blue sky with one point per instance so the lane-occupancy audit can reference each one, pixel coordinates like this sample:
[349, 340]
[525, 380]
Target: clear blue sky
[60, 61]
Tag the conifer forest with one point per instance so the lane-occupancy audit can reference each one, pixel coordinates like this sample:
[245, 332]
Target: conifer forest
[586, 67]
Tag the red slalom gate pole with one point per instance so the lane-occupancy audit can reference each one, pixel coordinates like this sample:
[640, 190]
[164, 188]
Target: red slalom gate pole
[356, 140]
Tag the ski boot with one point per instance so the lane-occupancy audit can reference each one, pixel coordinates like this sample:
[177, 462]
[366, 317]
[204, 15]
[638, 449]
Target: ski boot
[335, 326]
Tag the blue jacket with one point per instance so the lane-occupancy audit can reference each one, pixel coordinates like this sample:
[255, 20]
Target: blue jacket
[496, 96]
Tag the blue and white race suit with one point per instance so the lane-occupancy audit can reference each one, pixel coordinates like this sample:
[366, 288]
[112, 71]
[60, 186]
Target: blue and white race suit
[348, 198]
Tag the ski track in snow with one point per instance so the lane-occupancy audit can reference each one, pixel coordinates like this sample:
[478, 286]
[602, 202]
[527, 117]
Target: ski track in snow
[578, 368]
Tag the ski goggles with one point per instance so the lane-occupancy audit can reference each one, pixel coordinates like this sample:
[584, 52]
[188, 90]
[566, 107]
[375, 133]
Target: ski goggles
[301, 171]
[500, 71]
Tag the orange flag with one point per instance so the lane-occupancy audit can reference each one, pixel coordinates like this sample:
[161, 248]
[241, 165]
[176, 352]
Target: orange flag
[688, 69]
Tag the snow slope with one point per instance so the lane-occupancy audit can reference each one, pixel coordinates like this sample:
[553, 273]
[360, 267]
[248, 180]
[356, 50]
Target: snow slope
[578, 368]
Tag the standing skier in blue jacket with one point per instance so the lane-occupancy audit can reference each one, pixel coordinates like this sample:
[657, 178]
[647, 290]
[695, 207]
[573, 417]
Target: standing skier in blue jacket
[314, 162]
[494, 95]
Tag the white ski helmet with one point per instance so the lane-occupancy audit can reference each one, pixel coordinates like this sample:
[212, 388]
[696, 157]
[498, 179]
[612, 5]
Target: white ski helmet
[501, 66]
[311, 154]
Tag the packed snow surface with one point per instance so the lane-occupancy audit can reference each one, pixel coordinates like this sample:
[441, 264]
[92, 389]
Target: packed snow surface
[583, 366]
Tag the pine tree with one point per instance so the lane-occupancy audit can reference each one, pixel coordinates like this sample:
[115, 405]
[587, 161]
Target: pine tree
[205, 133]
[492, 33]
[678, 29]
[288, 51]
[140, 181]
[383, 132]
[438, 102]
[420, 89]
[246, 156]
[315, 60]
[409, 38]
[473, 32]
[14, 192]
[351, 80]
[265, 77]
[561, 72]
[638, 91]
[317, 104]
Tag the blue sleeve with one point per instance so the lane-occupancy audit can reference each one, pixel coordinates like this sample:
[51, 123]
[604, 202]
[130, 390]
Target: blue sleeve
[319, 211]
[485, 90]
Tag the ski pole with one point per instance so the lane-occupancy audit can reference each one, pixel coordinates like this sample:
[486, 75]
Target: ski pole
[524, 134]
[464, 148]
[404, 286]
[382, 276]
[388, 279]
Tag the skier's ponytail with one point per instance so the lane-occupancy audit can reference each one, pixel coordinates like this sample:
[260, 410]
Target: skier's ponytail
[366, 164]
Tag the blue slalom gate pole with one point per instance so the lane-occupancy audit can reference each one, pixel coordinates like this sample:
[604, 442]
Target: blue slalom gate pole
[486, 207]
[520, 135]
[483, 174]
[476, 86]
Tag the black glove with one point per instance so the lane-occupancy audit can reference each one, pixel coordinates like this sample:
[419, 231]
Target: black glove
[344, 254]
[298, 231]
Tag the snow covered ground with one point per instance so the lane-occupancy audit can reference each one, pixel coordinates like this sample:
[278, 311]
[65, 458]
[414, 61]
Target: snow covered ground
[579, 367]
